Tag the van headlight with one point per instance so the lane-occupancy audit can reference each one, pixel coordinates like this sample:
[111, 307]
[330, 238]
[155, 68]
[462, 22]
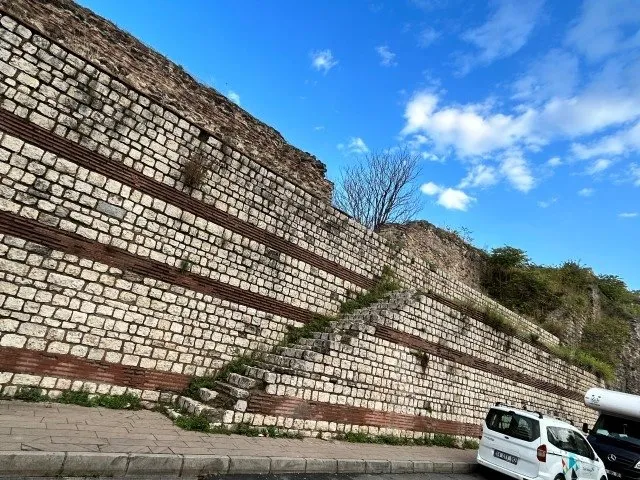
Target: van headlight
[637, 465]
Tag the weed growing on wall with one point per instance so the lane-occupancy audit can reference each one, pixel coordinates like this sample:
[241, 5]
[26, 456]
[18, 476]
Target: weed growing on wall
[195, 169]
[125, 401]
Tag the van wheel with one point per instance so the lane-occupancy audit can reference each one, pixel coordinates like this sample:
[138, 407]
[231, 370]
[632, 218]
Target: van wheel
[561, 477]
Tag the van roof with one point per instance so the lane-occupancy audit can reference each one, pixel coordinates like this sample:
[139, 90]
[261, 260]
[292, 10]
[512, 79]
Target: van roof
[549, 421]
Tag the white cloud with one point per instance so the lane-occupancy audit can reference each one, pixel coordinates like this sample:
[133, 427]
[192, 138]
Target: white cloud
[427, 36]
[586, 192]
[430, 188]
[480, 176]
[475, 129]
[634, 170]
[319, 128]
[621, 142]
[503, 34]
[449, 198]
[322, 60]
[515, 168]
[555, 74]
[234, 97]
[554, 162]
[387, 57]
[356, 145]
[547, 203]
[465, 128]
[628, 214]
[453, 199]
[605, 27]
[598, 166]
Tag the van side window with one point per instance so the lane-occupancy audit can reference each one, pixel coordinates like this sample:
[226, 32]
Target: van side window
[513, 425]
[569, 441]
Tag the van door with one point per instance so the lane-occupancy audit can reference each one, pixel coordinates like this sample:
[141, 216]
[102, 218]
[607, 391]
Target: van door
[510, 441]
[578, 458]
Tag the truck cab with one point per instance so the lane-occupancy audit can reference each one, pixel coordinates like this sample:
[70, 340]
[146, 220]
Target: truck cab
[616, 434]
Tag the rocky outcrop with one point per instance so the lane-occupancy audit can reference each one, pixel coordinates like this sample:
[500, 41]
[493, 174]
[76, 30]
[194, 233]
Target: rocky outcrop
[442, 249]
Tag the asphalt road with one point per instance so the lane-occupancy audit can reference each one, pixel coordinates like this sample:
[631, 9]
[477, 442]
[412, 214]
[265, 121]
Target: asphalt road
[481, 475]
[421, 476]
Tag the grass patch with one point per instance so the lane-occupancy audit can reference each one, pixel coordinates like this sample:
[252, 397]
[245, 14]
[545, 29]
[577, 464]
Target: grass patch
[237, 365]
[319, 323]
[470, 445]
[31, 394]
[499, 322]
[127, 401]
[584, 360]
[386, 284]
[438, 440]
[76, 398]
[197, 423]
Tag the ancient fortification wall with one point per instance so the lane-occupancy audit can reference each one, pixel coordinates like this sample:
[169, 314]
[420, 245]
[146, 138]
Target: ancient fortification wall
[116, 275]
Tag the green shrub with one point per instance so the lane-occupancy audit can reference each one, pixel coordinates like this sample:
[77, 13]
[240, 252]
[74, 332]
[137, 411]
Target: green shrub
[127, 401]
[76, 398]
[198, 423]
[31, 394]
[386, 284]
[499, 322]
[584, 360]
[440, 440]
[319, 323]
[470, 445]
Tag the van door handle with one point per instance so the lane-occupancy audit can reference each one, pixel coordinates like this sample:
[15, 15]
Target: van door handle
[507, 438]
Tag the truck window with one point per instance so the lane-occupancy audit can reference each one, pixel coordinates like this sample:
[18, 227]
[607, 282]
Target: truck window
[513, 425]
[569, 441]
[618, 428]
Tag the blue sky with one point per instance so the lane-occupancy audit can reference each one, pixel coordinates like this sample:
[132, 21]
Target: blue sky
[526, 114]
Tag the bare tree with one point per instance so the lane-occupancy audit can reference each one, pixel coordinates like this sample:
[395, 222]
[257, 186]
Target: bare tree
[380, 188]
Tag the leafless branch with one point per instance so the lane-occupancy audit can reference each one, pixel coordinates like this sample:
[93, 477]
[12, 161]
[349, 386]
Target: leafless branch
[380, 188]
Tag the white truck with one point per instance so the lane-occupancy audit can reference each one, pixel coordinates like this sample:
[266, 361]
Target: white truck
[616, 434]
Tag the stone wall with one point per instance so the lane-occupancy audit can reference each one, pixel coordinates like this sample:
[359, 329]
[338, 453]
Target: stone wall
[409, 365]
[115, 274]
[126, 57]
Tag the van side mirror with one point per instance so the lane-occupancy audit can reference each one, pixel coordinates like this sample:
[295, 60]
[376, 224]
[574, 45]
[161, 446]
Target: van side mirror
[585, 428]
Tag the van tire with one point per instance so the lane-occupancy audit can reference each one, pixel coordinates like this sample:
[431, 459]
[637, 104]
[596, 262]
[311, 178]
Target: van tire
[560, 477]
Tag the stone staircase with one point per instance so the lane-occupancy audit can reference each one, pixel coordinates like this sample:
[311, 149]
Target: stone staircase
[230, 396]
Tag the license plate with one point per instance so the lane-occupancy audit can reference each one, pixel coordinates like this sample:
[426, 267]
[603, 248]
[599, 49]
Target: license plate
[505, 456]
[614, 474]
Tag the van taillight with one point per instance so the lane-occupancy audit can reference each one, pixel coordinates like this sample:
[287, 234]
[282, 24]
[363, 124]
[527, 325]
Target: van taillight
[542, 453]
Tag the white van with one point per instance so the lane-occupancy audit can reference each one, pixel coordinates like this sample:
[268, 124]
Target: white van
[530, 446]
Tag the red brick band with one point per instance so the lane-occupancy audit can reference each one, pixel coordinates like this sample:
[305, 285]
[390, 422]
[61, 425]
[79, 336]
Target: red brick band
[292, 407]
[431, 348]
[33, 362]
[74, 244]
[90, 160]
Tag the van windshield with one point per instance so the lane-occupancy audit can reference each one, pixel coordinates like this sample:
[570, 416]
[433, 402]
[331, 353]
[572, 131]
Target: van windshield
[618, 428]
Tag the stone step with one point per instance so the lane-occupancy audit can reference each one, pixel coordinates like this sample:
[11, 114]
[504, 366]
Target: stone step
[299, 353]
[198, 408]
[241, 381]
[280, 370]
[288, 362]
[231, 390]
[207, 395]
[261, 374]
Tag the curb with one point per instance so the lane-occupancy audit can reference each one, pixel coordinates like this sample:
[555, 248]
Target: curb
[87, 464]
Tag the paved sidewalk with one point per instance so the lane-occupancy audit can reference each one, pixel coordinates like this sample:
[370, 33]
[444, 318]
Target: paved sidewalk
[55, 439]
